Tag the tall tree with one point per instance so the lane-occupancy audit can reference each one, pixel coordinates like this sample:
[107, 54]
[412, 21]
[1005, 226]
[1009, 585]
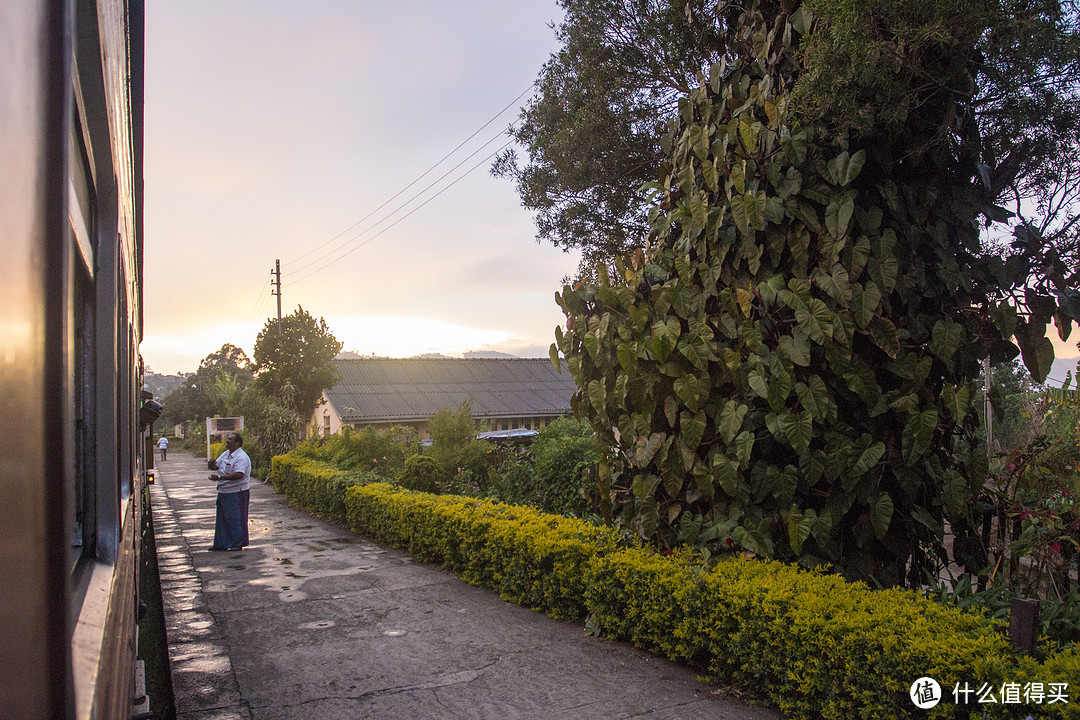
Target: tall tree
[200, 396]
[295, 362]
[789, 366]
[592, 134]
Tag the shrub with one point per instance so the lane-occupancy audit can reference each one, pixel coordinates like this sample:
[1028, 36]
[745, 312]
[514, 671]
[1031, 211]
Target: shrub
[315, 485]
[421, 473]
[530, 558]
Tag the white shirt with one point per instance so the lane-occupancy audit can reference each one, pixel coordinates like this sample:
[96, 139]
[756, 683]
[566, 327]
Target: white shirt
[163, 443]
[231, 462]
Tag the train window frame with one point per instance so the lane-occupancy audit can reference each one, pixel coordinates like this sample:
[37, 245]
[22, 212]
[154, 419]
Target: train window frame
[81, 340]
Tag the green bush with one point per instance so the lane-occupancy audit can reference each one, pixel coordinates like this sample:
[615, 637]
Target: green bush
[530, 558]
[379, 450]
[314, 485]
[812, 643]
[421, 473]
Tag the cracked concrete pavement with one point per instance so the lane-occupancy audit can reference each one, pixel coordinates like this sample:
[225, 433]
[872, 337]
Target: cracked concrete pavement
[314, 621]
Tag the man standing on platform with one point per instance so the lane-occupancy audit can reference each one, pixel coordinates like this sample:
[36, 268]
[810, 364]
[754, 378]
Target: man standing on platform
[234, 492]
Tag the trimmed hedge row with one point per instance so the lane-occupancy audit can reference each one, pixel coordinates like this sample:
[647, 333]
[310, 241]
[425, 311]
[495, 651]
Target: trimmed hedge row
[814, 645]
[529, 557]
[317, 486]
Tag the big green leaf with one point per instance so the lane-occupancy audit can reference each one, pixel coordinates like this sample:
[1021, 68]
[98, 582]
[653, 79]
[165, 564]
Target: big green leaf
[665, 335]
[798, 429]
[881, 512]
[799, 526]
[918, 434]
[730, 421]
[692, 427]
[814, 396]
[869, 458]
[797, 347]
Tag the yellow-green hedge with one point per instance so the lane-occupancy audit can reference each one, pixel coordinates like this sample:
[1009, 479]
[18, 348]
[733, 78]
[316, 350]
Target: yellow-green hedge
[317, 486]
[813, 644]
[529, 557]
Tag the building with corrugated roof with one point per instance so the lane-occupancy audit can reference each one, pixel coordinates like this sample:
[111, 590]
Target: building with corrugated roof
[504, 393]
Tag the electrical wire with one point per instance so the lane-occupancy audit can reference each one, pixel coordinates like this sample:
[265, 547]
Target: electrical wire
[427, 172]
[260, 301]
[404, 204]
[418, 207]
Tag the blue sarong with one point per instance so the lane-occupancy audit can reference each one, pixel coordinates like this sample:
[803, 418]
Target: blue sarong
[231, 526]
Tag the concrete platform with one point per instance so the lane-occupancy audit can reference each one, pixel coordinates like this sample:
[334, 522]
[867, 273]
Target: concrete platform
[312, 621]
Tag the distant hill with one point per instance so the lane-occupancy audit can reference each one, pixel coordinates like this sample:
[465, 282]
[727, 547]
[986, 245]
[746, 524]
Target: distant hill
[487, 354]
[162, 385]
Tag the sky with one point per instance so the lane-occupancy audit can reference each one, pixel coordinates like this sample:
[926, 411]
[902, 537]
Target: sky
[301, 131]
[275, 127]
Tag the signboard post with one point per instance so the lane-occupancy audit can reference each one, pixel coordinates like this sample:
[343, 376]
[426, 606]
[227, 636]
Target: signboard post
[219, 427]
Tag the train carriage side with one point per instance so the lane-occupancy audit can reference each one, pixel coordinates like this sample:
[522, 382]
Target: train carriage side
[72, 442]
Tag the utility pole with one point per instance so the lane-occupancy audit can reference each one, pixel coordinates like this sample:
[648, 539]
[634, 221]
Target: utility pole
[277, 283]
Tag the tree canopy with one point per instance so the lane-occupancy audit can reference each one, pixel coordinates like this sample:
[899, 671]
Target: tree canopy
[1009, 104]
[296, 364]
[788, 366]
[225, 372]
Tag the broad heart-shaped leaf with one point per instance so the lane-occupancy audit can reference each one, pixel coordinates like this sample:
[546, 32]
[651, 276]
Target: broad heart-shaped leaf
[799, 526]
[646, 448]
[869, 458]
[798, 429]
[838, 214]
[553, 353]
[864, 303]
[815, 320]
[627, 358]
[744, 445]
[692, 426]
[730, 421]
[748, 133]
[844, 168]
[689, 389]
[726, 472]
[780, 386]
[918, 434]
[710, 175]
[738, 176]
[796, 347]
[738, 213]
[591, 341]
[597, 396]
[644, 486]
[649, 516]
[814, 396]
[945, 338]
[665, 337]
[755, 205]
[885, 335]
[956, 401]
[1036, 349]
[881, 512]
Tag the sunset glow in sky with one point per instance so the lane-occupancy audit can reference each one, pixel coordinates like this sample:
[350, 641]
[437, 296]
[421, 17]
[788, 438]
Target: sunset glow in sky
[276, 130]
[302, 131]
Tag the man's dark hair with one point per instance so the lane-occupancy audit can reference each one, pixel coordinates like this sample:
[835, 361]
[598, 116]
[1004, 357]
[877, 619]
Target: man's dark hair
[238, 436]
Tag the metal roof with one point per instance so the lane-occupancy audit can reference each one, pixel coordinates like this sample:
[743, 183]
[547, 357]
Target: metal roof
[413, 389]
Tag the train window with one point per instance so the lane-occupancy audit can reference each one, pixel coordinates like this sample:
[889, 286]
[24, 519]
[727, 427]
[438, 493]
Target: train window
[81, 337]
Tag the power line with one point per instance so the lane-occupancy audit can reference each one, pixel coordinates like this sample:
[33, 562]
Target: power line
[418, 207]
[406, 203]
[259, 302]
[443, 159]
